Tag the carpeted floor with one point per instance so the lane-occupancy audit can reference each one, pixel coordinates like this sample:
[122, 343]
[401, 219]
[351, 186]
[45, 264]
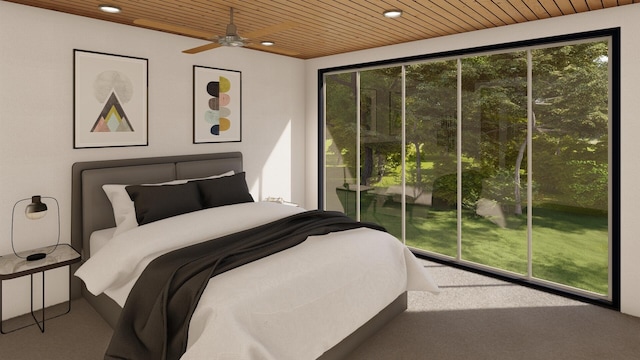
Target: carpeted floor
[475, 317]
[79, 335]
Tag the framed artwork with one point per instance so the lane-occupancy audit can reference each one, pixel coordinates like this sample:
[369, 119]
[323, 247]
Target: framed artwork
[217, 105]
[110, 100]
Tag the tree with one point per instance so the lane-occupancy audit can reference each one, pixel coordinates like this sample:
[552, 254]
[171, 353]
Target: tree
[571, 91]
[570, 132]
[431, 115]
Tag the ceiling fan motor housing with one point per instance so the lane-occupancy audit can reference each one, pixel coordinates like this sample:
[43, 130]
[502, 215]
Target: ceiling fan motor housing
[231, 38]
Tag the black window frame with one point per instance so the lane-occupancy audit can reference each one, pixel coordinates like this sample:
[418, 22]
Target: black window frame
[614, 34]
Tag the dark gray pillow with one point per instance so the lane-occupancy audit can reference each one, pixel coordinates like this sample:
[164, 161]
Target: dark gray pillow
[226, 190]
[153, 203]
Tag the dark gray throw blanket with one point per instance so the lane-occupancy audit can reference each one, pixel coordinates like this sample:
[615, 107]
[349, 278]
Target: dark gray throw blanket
[154, 323]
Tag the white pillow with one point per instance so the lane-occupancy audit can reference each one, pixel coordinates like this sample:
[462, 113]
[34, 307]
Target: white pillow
[124, 211]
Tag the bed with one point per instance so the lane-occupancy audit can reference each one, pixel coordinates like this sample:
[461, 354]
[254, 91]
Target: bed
[355, 312]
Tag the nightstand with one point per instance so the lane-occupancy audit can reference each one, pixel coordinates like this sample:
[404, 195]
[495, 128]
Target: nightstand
[12, 266]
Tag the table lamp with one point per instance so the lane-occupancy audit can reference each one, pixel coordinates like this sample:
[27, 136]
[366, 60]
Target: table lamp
[34, 211]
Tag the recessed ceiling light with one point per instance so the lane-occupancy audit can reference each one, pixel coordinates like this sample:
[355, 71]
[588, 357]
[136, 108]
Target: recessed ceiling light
[267, 43]
[392, 14]
[110, 9]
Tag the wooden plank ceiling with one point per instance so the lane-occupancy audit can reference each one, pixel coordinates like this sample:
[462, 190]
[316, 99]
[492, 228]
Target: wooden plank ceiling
[313, 28]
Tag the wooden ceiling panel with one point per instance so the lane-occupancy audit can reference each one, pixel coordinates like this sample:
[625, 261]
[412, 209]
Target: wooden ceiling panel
[594, 4]
[488, 10]
[524, 9]
[422, 17]
[551, 8]
[566, 8]
[510, 10]
[324, 27]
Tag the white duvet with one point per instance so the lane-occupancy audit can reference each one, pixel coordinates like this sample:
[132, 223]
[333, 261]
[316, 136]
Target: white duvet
[295, 304]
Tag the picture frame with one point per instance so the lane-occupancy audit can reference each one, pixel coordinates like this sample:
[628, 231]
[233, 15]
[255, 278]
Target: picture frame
[110, 96]
[217, 105]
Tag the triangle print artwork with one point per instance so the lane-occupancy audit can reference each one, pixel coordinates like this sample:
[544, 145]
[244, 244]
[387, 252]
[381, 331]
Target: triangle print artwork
[112, 118]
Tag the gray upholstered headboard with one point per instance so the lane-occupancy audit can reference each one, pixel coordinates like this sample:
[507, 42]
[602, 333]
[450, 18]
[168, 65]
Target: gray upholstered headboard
[91, 209]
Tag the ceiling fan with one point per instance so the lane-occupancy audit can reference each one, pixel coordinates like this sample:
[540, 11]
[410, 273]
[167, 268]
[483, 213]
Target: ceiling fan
[230, 38]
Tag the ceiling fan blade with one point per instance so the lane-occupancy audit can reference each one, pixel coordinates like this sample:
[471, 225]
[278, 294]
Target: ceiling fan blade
[173, 28]
[271, 29]
[201, 48]
[272, 49]
[177, 29]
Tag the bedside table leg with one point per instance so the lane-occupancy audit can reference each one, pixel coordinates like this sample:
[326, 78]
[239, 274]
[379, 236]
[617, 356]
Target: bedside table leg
[32, 314]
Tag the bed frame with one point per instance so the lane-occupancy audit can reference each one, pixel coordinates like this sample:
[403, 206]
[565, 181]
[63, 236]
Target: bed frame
[91, 211]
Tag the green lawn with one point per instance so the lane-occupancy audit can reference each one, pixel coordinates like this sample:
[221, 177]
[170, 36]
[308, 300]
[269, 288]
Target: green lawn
[569, 247]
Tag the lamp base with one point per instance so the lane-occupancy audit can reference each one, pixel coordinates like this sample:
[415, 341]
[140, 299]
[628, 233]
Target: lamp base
[36, 256]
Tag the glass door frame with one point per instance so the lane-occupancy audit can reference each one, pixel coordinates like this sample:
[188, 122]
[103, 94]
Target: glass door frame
[612, 300]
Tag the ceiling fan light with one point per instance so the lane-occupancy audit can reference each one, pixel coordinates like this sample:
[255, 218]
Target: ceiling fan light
[392, 14]
[231, 40]
[267, 43]
[110, 8]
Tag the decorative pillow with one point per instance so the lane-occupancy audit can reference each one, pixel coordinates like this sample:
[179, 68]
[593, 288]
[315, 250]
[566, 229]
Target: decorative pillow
[226, 190]
[124, 211]
[153, 203]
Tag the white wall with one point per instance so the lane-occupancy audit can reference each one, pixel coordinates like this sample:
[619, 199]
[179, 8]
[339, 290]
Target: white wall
[36, 104]
[625, 17]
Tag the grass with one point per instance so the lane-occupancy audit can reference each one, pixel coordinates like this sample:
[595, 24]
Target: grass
[569, 247]
[570, 244]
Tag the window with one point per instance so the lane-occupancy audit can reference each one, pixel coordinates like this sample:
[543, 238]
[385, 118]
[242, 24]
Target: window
[501, 159]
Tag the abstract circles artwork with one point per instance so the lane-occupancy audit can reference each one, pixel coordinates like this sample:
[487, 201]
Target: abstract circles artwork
[216, 108]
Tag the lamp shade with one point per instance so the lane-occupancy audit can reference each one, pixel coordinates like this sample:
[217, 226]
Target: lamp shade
[37, 209]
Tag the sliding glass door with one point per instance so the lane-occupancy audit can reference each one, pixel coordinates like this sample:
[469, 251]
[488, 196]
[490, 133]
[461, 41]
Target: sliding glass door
[494, 170]
[341, 142]
[499, 160]
[571, 168]
[431, 159]
[381, 148]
